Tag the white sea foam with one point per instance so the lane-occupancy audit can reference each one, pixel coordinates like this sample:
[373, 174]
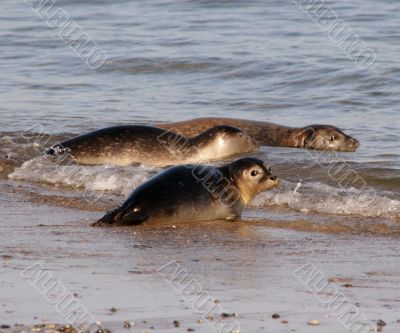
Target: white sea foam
[310, 197]
[118, 180]
[322, 198]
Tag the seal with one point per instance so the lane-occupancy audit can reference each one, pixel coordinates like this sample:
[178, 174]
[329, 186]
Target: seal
[124, 145]
[194, 193]
[322, 137]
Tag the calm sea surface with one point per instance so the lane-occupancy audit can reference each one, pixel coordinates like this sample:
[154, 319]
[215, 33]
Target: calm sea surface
[174, 60]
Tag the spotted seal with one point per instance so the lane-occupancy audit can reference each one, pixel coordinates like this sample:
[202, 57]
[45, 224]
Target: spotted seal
[322, 137]
[124, 145]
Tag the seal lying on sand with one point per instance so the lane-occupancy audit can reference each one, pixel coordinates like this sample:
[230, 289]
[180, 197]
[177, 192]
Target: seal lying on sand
[193, 193]
[323, 137]
[123, 145]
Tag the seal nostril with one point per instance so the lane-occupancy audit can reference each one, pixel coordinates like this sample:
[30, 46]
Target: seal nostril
[273, 178]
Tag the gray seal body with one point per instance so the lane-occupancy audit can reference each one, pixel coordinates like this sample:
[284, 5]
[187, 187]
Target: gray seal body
[321, 137]
[124, 145]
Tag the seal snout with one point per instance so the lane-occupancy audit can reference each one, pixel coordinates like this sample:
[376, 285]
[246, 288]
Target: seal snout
[355, 143]
[352, 144]
[274, 180]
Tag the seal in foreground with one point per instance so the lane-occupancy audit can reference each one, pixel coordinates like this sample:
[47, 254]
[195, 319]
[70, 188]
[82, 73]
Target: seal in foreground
[194, 193]
[322, 137]
[124, 145]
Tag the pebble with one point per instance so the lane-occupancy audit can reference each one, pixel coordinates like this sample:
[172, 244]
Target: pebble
[190, 329]
[48, 327]
[285, 322]
[103, 330]
[129, 324]
[276, 316]
[176, 323]
[5, 326]
[314, 322]
[6, 257]
[113, 310]
[69, 329]
[380, 323]
[226, 315]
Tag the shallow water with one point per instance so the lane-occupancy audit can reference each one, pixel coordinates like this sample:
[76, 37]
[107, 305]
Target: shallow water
[174, 60]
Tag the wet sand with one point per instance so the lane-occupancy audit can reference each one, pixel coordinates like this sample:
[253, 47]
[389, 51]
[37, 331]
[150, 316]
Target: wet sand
[246, 266]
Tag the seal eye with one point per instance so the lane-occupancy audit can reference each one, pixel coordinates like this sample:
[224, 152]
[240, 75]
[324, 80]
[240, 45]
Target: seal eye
[254, 173]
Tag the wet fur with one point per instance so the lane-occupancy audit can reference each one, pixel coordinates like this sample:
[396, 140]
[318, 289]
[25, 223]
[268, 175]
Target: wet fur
[269, 134]
[182, 194]
[123, 145]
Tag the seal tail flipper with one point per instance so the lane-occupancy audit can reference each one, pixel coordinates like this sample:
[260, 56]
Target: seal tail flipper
[55, 150]
[119, 216]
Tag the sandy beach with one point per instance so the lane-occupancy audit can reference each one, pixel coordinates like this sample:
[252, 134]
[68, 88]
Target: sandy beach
[247, 267]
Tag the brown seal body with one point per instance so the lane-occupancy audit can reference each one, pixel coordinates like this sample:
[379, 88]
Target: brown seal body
[124, 145]
[322, 137]
[194, 193]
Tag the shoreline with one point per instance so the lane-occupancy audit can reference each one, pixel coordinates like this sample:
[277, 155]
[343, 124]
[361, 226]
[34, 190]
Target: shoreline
[248, 267]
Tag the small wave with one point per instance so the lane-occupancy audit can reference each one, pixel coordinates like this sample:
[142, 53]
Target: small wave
[313, 197]
[321, 198]
[118, 180]
[162, 66]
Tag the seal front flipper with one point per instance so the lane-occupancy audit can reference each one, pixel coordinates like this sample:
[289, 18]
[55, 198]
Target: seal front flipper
[121, 216]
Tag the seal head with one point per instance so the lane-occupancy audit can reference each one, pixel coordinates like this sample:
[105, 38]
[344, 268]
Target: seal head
[325, 137]
[251, 176]
[223, 140]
